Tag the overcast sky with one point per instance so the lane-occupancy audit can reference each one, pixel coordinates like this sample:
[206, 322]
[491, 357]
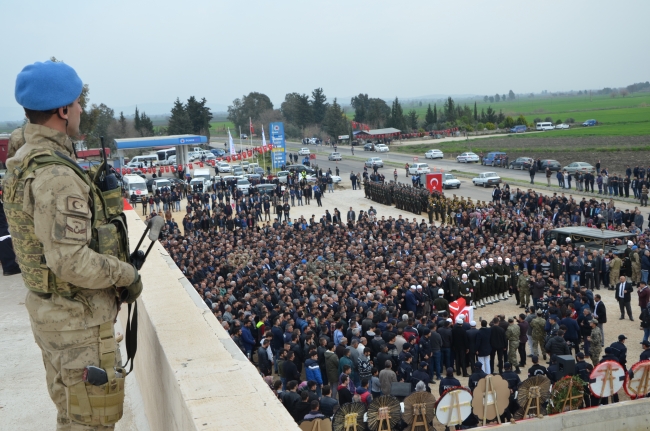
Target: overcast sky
[150, 52]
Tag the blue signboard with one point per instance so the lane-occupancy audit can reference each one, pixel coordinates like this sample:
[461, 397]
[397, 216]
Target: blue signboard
[276, 132]
[190, 140]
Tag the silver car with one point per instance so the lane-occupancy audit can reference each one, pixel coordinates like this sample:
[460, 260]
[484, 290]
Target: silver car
[334, 156]
[374, 161]
[574, 167]
[486, 179]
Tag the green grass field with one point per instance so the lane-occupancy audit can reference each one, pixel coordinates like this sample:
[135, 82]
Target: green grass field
[618, 116]
[219, 126]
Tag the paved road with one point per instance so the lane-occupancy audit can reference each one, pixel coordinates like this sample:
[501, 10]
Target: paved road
[399, 159]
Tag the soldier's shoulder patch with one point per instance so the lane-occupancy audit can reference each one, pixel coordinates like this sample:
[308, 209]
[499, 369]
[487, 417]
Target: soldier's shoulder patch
[76, 229]
[77, 205]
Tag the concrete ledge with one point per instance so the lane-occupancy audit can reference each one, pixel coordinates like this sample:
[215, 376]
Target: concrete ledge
[628, 415]
[191, 374]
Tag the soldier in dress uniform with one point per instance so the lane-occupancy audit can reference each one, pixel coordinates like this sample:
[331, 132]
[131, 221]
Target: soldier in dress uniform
[490, 290]
[75, 268]
[475, 279]
[499, 279]
[465, 290]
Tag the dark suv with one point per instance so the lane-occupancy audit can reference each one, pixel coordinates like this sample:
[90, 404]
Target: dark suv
[521, 163]
[554, 165]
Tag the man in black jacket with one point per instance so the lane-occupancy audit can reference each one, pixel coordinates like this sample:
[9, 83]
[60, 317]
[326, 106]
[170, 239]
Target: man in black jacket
[263, 360]
[483, 346]
[557, 345]
[460, 346]
[290, 398]
[421, 375]
[477, 375]
[499, 344]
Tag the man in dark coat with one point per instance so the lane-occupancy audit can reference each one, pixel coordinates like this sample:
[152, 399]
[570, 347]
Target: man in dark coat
[460, 346]
[7, 255]
[483, 346]
[499, 345]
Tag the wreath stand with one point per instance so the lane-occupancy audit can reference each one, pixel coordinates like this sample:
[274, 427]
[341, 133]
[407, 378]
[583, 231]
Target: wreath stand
[490, 398]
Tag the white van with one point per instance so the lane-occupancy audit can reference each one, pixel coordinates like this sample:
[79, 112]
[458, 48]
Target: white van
[203, 173]
[545, 126]
[135, 184]
[148, 160]
[160, 183]
[419, 168]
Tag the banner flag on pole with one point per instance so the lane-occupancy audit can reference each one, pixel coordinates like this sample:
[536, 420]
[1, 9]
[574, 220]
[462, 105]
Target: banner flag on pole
[232, 144]
[250, 123]
[263, 137]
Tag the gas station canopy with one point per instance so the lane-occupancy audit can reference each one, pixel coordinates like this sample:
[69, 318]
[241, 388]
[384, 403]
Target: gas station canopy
[159, 141]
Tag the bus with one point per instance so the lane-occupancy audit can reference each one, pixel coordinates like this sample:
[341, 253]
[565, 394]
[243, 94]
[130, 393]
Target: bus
[163, 155]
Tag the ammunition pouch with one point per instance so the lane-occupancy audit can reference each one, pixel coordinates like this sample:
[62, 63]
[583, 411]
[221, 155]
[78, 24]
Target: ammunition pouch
[99, 405]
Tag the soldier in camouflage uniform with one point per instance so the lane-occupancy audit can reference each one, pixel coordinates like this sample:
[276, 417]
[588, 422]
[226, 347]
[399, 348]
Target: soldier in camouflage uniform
[595, 341]
[512, 335]
[523, 285]
[73, 274]
[538, 325]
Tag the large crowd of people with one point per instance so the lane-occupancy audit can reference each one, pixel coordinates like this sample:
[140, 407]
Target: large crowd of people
[335, 308]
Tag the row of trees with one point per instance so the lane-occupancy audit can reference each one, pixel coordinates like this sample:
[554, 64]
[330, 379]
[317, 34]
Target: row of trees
[192, 117]
[502, 98]
[303, 114]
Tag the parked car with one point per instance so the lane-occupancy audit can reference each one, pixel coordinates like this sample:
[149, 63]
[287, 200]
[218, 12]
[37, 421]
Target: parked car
[265, 188]
[449, 181]
[334, 156]
[574, 167]
[223, 167]
[468, 157]
[486, 179]
[382, 148]
[434, 154]
[304, 152]
[562, 126]
[521, 163]
[554, 165]
[258, 171]
[368, 147]
[218, 152]
[237, 170]
[374, 161]
[243, 185]
[490, 158]
[589, 123]
[419, 168]
[519, 129]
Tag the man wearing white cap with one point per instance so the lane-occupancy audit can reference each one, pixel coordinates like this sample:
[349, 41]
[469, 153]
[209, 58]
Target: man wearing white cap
[460, 346]
[506, 274]
[475, 280]
[440, 303]
[490, 282]
[499, 280]
[483, 274]
[465, 290]
[420, 299]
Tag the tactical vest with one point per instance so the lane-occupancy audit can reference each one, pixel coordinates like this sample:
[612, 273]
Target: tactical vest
[109, 233]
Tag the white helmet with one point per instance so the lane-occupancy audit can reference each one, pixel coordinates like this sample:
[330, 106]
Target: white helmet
[464, 277]
[499, 259]
[477, 266]
[464, 265]
[490, 260]
[441, 292]
[483, 263]
[508, 260]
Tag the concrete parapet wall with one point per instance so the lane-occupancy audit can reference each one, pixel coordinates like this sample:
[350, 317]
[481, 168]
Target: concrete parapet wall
[190, 373]
[628, 415]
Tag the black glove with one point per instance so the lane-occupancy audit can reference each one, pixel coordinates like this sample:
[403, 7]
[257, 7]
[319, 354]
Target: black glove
[137, 259]
[131, 292]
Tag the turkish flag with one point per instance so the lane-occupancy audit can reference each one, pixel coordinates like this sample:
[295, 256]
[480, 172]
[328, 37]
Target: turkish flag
[173, 169]
[434, 182]
[201, 164]
[228, 159]
[167, 169]
[251, 126]
[250, 153]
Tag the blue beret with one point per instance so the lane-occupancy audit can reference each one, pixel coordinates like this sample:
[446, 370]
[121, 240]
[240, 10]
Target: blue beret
[46, 86]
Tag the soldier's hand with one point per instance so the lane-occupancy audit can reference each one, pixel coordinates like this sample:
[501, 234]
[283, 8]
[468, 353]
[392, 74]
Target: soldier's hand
[131, 292]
